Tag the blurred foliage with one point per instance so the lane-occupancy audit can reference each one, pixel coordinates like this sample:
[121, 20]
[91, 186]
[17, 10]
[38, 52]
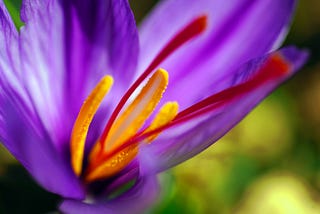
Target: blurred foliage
[14, 8]
[269, 163]
[279, 192]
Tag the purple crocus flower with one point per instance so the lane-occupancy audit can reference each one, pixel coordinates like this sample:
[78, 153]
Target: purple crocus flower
[84, 145]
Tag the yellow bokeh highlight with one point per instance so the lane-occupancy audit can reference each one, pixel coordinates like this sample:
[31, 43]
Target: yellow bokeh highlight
[266, 133]
[279, 193]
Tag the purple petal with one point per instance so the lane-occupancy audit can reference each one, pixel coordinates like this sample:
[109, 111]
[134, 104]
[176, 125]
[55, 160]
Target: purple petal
[8, 45]
[21, 131]
[31, 9]
[130, 173]
[100, 38]
[134, 201]
[66, 47]
[237, 31]
[184, 141]
[23, 135]
[42, 68]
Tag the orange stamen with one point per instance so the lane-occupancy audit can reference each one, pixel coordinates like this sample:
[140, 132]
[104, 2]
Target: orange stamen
[125, 127]
[83, 121]
[165, 115]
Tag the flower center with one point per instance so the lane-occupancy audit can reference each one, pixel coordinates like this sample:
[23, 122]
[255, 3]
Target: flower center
[114, 150]
[108, 158]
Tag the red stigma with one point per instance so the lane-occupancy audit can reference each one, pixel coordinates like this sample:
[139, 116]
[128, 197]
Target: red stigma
[192, 30]
[275, 67]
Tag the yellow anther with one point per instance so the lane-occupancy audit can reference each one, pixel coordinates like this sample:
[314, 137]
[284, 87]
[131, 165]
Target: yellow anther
[165, 115]
[83, 121]
[106, 161]
[134, 116]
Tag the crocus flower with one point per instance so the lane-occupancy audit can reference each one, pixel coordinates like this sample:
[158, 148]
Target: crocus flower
[88, 104]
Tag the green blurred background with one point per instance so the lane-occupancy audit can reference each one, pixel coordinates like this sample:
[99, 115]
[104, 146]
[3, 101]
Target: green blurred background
[269, 163]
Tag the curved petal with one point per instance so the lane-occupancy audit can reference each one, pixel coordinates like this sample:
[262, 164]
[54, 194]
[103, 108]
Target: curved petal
[184, 141]
[41, 67]
[21, 131]
[100, 38]
[238, 30]
[24, 136]
[65, 48]
[135, 201]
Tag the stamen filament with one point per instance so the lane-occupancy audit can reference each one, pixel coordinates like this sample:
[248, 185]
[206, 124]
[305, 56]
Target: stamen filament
[83, 121]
